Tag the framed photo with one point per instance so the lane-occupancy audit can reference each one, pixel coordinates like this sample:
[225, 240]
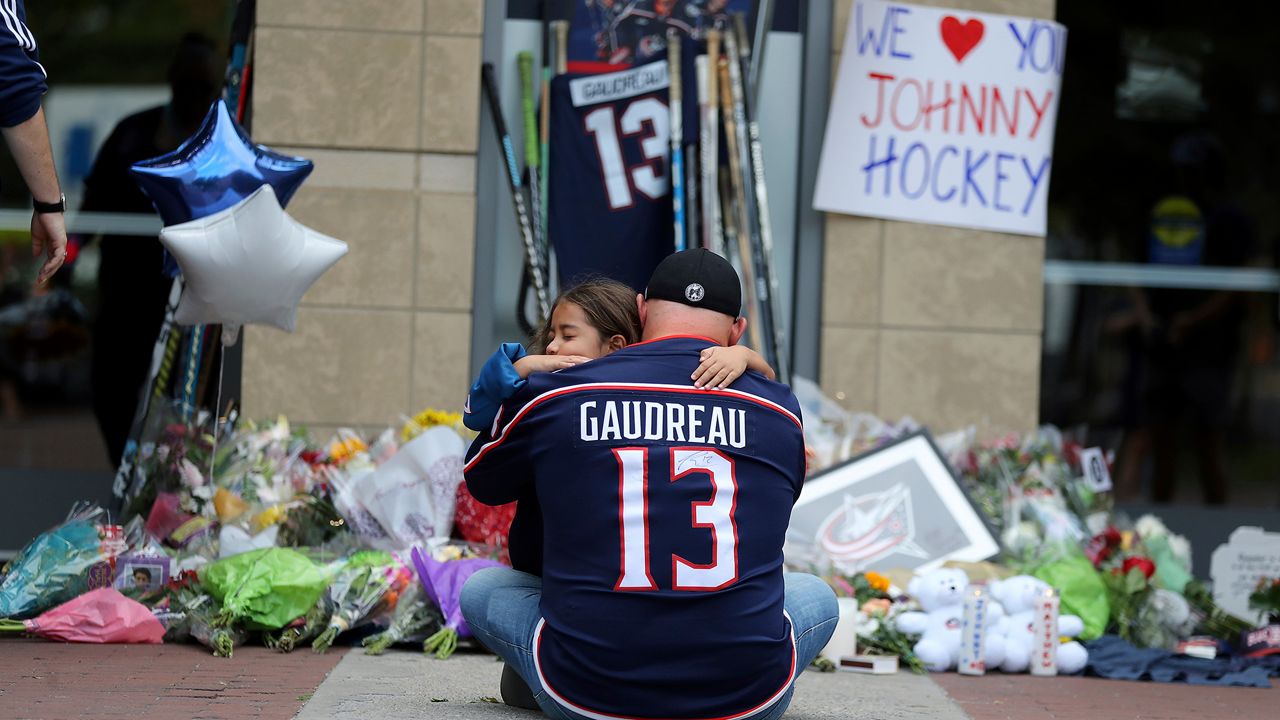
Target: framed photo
[150, 572]
[898, 506]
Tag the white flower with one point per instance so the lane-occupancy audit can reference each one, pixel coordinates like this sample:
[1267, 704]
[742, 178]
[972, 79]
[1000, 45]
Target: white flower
[1172, 608]
[1181, 548]
[190, 474]
[1022, 535]
[1149, 527]
[868, 627]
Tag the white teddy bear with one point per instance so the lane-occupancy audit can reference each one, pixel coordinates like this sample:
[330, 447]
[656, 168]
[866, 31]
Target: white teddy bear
[1017, 595]
[941, 596]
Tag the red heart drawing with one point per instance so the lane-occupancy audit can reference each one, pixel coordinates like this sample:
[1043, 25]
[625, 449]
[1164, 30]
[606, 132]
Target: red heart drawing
[959, 37]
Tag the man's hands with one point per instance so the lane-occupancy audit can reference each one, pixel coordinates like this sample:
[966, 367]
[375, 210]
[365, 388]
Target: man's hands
[546, 363]
[48, 236]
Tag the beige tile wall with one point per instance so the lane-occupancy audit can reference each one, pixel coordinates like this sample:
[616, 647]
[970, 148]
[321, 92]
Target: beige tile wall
[942, 324]
[384, 97]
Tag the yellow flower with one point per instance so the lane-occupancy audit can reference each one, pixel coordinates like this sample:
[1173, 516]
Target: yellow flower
[878, 582]
[427, 419]
[267, 518]
[342, 449]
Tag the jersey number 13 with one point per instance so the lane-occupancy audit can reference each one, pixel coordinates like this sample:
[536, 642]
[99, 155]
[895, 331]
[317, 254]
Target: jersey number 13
[647, 117]
[715, 515]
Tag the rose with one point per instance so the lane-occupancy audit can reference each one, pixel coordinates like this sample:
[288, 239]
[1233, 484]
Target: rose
[1147, 567]
[878, 607]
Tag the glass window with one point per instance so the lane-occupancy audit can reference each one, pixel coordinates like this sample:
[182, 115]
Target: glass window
[1161, 305]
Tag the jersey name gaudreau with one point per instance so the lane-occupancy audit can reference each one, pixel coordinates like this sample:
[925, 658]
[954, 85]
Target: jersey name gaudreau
[610, 420]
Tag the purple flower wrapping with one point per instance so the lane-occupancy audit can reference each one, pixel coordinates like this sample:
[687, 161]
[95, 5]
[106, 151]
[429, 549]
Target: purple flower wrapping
[443, 582]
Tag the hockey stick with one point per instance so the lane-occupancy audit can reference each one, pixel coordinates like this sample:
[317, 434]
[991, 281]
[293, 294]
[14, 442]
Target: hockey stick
[536, 270]
[733, 136]
[676, 168]
[761, 198]
[524, 61]
[531, 148]
[709, 99]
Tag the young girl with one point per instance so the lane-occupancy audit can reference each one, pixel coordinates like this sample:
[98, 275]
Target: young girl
[589, 321]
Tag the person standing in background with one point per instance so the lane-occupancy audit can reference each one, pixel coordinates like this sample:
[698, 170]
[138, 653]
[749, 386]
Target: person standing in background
[133, 287]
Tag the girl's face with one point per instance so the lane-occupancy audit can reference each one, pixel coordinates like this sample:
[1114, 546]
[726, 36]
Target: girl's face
[573, 334]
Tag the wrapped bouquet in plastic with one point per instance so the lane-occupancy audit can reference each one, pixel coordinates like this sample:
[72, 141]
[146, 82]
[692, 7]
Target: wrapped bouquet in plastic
[98, 616]
[265, 589]
[414, 618]
[61, 564]
[443, 582]
[369, 584]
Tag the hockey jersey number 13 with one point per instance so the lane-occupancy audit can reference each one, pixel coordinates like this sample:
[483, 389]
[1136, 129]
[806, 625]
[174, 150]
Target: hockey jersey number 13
[610, 188]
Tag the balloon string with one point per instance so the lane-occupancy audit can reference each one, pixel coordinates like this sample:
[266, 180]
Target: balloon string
[213, 456]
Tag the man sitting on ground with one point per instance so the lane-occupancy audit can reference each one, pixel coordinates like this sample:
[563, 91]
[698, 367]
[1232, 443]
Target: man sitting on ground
[665, 508]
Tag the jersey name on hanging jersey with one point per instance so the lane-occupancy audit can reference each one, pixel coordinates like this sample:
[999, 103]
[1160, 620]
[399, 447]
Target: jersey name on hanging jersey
[665, 510]
[610, 191]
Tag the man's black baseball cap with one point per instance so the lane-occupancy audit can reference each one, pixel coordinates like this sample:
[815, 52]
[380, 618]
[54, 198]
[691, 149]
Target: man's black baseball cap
[697, 278]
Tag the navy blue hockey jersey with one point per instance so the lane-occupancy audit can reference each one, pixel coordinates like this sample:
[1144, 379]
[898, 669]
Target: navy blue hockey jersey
[609, 210]
[22, 79]
[666, 508]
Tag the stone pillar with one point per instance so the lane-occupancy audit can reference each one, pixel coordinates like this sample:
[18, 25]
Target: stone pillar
[942, 324]
[384, 97]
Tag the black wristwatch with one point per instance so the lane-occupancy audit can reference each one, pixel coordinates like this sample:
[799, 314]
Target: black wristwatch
[53, 207]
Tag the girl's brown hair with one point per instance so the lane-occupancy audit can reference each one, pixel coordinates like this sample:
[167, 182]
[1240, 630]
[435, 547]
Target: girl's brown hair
[610, 307]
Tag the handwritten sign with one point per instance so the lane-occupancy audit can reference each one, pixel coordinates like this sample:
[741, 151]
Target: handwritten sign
[1250, 553]
[943, 117]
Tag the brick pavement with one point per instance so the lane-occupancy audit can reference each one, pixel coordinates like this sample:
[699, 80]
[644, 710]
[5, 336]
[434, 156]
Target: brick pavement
[998, 696]
[55, 681]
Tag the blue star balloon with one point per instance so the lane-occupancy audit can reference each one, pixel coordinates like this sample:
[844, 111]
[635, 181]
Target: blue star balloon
[215, 169]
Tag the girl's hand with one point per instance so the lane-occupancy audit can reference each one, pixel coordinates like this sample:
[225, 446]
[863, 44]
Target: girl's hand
[720, 367]
[546, 363]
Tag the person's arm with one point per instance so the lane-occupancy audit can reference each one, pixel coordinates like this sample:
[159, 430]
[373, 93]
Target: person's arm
[505, 372]
[720, 366]
[22, 83]
[497, 469]
[498, 380]
[29, 143]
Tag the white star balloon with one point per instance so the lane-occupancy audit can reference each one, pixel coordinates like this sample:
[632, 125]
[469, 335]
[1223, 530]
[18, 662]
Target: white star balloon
[250, 263]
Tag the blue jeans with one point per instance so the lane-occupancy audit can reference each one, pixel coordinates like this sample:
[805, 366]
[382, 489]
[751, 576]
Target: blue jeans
[501, 607]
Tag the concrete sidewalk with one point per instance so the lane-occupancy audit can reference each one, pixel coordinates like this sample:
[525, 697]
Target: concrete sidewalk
[408, 686]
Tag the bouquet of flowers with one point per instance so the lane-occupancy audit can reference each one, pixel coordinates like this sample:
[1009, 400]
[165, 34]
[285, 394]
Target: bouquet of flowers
[61, 563]
[369, 584]
[876, 632]
[1265, 598]
[98, 616]
[288, 638]
[414, 617]
[195, 614]
[265, 589]
[443, 582]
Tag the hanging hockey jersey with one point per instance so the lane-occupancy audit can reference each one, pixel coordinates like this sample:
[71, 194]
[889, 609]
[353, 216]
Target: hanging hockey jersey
[610, 208]
[665, 510]
[610, 196]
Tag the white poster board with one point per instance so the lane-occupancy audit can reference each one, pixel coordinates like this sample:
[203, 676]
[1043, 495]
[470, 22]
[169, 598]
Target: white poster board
[944, 117]
[1250, 554]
